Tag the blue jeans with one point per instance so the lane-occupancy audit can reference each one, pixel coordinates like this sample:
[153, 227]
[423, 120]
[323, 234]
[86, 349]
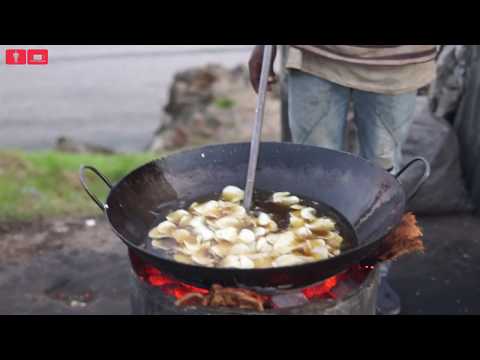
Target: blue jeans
[318, 112]
[318, 109]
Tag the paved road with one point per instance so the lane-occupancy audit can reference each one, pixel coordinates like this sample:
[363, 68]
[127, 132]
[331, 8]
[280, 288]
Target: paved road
[111, 95]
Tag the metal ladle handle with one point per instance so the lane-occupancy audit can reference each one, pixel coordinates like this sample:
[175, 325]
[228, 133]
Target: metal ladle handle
[257, 127]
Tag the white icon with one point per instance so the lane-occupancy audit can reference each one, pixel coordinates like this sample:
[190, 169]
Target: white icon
[15, 55]
[37, 57]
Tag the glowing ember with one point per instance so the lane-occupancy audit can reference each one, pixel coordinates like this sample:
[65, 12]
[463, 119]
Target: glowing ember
[169, 285]
[178, 289]
[321, 290]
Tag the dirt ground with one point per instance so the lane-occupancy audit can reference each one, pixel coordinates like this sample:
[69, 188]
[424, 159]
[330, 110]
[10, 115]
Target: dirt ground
[62, 267]
[67, 267]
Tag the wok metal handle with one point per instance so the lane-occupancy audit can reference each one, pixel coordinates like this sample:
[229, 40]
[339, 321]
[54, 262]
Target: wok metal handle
[101, 205]
[422, 180]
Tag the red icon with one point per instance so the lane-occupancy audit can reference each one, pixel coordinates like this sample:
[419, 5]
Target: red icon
[15, 56]
[38, 56]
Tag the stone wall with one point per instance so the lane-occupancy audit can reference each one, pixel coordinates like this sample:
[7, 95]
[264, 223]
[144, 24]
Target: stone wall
[212, 104]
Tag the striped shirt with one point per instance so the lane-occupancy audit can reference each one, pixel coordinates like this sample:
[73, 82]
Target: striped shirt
[385, 69]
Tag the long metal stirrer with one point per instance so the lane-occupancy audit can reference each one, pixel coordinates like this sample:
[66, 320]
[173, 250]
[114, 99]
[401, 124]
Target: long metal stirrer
[257, 128]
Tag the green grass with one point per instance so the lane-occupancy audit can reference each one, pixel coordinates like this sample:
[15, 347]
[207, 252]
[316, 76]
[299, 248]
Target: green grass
[45, 184]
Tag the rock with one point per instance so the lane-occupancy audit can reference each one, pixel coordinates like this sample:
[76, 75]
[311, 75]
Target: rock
[74, 146]
[212, 104]
[90, 222]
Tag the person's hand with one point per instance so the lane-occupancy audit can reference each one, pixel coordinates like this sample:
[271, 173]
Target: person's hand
[255, 67]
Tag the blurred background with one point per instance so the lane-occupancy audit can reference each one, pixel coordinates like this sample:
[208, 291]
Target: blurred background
[108, 95]
[118, 107]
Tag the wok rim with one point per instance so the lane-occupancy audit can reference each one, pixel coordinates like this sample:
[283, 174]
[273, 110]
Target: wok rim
[260, 270]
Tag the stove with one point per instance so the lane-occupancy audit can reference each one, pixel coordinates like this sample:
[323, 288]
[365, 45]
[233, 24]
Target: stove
[352, 292]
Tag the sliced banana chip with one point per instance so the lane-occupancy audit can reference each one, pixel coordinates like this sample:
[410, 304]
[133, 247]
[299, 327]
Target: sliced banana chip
[209, 209]
[272, 226]
[276, 197]
[246, 236]
[284, 198]
[204, 233]
[238, 211]
[239, 249]
[238, 261]
[229, 234]
[163, 229]
[263, 219]
[191, 248]
[183, 258]
[220, 233]
[320, 252]
[221, 249]
[286, 238]
[322, 224]
[296, 221]
[288, 260]
[296, 207]
[308, 213]
[334, 240]
[227, 221]
[176, 216]
[166, 244]
[200, 259]
[197, 221]
[183, 235]
[263, 246]
[185, 220]
[318, 242]
[303, 232]
[232, 193]
[260, 231]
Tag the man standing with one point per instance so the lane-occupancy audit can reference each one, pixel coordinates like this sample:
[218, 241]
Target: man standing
[380, 80]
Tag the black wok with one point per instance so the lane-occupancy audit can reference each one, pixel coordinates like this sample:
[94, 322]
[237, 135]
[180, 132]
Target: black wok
[366, 201]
